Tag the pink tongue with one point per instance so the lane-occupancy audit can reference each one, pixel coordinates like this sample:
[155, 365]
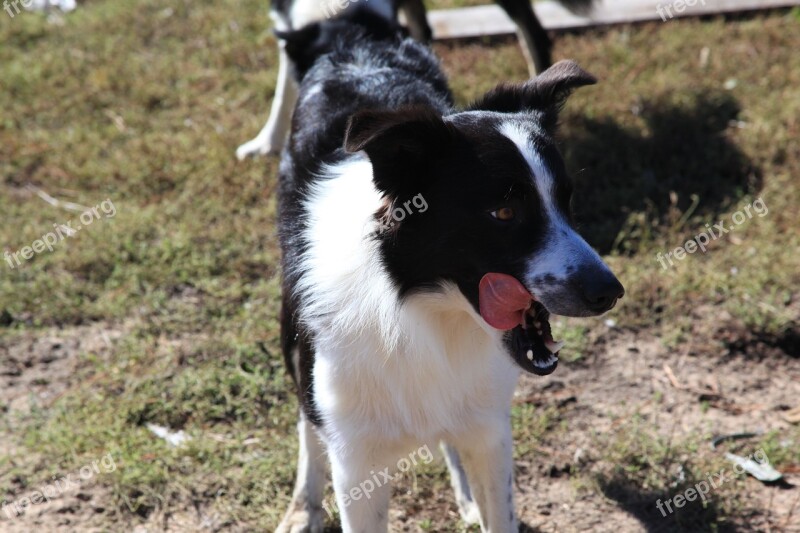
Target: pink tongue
[502, 300]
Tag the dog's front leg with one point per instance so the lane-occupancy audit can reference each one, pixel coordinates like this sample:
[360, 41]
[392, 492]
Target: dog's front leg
[533, 38]
[417, 20]
[489, 465]
[305, 511]
[363, 488]
[272, 137]
[467, 507]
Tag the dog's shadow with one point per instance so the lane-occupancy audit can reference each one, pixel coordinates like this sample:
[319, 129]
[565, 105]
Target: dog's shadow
[683, 157]
[694, 516]
[523, 528]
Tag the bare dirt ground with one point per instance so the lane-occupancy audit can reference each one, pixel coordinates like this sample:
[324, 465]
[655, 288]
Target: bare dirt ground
[748, 391]
[745, 384]
[35, 370]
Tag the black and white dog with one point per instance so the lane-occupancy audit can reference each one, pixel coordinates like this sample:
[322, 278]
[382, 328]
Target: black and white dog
[290, 15]
[424, 249]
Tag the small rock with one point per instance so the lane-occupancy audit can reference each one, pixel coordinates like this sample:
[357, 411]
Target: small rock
[579, 457]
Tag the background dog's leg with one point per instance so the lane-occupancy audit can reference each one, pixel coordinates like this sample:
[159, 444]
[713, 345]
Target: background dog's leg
[272, 136]
[458, 480]
[305, 511]
[362, 493]
[532, 36]
[417, 20]
[489, 465]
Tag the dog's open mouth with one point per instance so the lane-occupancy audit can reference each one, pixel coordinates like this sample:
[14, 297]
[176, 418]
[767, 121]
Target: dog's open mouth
[505, 304]
[532, 343]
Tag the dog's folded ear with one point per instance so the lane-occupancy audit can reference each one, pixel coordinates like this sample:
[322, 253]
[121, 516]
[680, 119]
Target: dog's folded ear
[546, 93]
[397, 142]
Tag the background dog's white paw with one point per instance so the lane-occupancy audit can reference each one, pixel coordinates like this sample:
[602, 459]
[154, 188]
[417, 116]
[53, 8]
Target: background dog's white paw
[256, 147]
[301, 521]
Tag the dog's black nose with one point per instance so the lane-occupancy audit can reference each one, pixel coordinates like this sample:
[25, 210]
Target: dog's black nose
[601, 291]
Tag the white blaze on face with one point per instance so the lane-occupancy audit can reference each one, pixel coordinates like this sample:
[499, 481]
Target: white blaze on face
[563, 248]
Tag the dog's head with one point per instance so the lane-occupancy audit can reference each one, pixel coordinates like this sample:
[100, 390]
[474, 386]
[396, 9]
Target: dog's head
[496, 218]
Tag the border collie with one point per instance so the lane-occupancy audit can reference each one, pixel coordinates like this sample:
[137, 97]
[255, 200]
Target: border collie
[405, 325]
[290, 15]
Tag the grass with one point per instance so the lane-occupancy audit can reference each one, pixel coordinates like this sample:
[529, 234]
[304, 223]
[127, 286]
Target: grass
[144, 105]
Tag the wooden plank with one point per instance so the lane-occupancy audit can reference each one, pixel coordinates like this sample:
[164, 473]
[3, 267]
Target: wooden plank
[492, 20]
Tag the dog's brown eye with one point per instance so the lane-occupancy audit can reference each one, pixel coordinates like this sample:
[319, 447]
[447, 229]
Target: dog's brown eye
[504, 213]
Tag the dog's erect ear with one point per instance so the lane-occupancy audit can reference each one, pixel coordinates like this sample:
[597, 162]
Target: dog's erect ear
[547, 92]
[397, 143]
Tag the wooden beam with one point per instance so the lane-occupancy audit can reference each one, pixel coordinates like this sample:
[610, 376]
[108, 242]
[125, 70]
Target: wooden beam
[492, 20]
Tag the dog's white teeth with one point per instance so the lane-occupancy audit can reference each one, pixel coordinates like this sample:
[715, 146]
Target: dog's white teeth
[539, 332]
[547, 364]
[554, 347]
[530, 355]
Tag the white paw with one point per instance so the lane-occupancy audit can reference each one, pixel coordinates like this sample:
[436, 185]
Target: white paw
[469, 512]
[256, 147]
[301, 521]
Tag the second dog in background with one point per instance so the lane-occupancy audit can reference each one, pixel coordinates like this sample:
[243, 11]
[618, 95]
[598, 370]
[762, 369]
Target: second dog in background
[291, 15]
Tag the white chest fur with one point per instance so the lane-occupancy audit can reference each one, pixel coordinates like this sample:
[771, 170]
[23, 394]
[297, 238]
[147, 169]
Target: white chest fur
[424, 370]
